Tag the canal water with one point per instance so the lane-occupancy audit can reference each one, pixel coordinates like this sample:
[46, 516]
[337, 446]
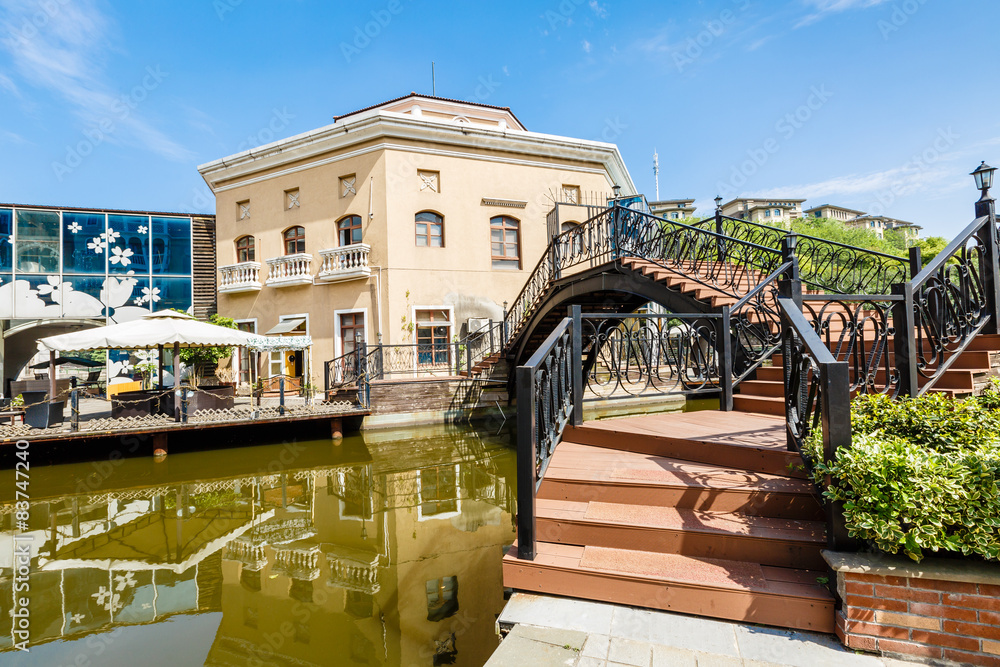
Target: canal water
[383, 550]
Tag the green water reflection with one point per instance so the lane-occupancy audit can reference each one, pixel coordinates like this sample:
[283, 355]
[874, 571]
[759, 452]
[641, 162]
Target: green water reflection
[384, 550]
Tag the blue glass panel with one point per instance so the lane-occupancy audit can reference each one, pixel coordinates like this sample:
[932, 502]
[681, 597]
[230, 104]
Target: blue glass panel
[120, 364]
[171, 293]
[128, 244]
[81, 296]
[6, 239]
[84, 245]
[127, 298]
[172, 246]
[37, 296]
[6, 296]
[37, 247]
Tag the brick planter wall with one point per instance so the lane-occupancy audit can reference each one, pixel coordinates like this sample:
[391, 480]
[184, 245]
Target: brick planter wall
[941, 609]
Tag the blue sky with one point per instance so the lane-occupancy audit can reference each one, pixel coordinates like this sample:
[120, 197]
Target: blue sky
[879, 105]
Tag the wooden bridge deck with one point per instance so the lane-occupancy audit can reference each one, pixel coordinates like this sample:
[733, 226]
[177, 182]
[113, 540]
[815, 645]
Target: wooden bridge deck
[701, 512]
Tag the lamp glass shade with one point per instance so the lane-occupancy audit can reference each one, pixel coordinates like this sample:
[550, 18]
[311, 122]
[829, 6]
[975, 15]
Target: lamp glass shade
[984, 176]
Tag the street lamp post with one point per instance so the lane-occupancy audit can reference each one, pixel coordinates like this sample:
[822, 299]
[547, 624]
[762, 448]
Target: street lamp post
[983, 176]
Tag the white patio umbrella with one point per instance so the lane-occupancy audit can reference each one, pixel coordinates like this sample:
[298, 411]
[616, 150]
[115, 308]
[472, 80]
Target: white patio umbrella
[155, 330]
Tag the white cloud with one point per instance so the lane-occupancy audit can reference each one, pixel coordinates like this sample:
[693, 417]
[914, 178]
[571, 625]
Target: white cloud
[61, 47]
[9, 86]
[586, 46]
[823, 8]
[600, 10]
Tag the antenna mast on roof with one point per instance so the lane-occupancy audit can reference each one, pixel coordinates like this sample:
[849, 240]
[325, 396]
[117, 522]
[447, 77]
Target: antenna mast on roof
[656, 173]
[433, 81]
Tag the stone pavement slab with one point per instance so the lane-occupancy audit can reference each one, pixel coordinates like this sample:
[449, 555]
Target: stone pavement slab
[578, 633]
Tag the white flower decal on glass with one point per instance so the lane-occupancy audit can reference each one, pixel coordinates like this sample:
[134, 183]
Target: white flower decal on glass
[119, 256]
[143, 229]
[137, 300]
[74, 227]
[150, 294]
[98, 245]
[50, 286]
[124, 581]
[111, 236]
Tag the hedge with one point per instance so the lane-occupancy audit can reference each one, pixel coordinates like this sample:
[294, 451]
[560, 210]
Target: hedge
[920, 475]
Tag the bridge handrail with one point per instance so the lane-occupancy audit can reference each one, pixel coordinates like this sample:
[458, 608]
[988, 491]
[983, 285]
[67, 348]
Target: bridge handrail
[950, 302]
[550, 389]
[755, 323]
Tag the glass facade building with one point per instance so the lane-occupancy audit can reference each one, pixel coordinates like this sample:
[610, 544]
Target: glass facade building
[64, 263]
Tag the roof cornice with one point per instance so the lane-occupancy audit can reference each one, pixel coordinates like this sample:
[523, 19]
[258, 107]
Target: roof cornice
[390, 125]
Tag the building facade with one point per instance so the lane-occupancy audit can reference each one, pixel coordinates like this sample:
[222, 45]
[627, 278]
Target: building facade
[877, 224]
[673, 209]
[64, 269]
[769, 212]
[395, 224]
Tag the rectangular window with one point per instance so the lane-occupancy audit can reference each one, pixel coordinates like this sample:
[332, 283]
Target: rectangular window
[352, 331]
[433, 337]
[171, 246]
[430, 229]
[438, 490]
[442, 602]
[505, 242]
[128, 244]
[82, 234]
[37, 241]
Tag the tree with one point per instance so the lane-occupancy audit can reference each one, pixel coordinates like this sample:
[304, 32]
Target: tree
[930, 247]
[198, 357]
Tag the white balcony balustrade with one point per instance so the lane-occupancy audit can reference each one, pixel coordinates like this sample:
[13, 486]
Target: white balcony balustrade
[242, 277]
[290, 270]
[346, 263]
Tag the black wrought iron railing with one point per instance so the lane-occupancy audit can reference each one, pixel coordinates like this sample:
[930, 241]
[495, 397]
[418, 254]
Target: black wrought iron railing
[951, 301]
[730, 265]
[349, 371]
[550, 396]
[824, 265]
[649, 354]
[817, 397]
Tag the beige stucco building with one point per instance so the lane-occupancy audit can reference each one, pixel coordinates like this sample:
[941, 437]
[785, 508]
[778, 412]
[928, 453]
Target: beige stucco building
[396, 223]
[673, 209]
[877, 224]
[769, 212]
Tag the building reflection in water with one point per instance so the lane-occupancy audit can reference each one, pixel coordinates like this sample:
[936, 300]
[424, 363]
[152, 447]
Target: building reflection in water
[389, 554]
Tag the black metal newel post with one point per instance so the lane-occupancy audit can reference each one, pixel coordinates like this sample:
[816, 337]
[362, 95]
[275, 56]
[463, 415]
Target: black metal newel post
[468, 356]
[184, 405]
[724, 349]
[916, 261]
[281, 395]
[364, 377]
[835, 392]
[576, 361]
[991, 259]
[904, 346]
[526, 458]
[503, 328]
[75, 410]
[492, 341]
[721, 246]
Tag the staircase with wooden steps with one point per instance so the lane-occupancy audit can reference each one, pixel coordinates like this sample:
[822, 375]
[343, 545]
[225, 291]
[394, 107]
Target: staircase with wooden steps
[676, 512]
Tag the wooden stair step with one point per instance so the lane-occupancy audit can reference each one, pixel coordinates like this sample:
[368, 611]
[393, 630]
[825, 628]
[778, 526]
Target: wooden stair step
[765, 540]
[755, 443]
[765, 405]
[732, 590]
[583, 472]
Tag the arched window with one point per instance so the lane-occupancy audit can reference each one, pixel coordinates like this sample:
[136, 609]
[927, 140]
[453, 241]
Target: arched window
[430, 229]
[349, 230]
[245, 249]
[295, 240]
[505, 242]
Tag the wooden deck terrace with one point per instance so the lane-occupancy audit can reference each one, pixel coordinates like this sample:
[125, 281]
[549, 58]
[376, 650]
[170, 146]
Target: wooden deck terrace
[98, 434]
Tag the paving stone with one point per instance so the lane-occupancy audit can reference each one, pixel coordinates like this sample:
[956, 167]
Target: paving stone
[709, 660]
[573, 639]
[630, 652]
[797, 649]
[596, 646]
[553, 612]
[591, 662]
[695, 633]
[668, 656]
[517, 651]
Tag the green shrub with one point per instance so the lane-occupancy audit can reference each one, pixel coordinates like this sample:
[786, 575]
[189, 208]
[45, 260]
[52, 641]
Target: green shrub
[921, 474]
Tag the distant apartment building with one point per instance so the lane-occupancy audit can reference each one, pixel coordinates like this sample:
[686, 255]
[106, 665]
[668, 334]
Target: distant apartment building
[63, 269]
[397, 223]
[765, 211]
[673, 209]
[877, 224]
